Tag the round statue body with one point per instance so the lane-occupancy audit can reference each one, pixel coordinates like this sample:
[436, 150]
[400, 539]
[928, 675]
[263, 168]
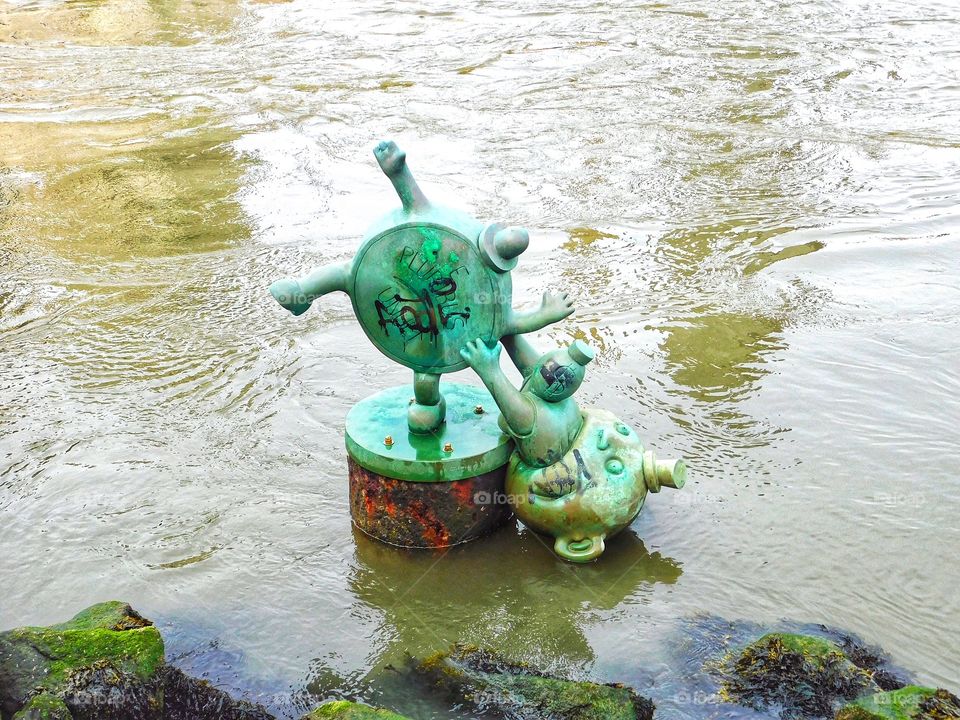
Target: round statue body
[578, 474]
[425, 280]
[594, 491]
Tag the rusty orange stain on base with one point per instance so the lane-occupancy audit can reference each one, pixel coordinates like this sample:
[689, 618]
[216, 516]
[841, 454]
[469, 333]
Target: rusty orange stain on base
[425, 514]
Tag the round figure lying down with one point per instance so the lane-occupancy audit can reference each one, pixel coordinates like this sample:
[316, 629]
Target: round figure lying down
[579, 474]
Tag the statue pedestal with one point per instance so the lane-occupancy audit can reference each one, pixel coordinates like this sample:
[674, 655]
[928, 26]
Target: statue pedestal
[427, 491]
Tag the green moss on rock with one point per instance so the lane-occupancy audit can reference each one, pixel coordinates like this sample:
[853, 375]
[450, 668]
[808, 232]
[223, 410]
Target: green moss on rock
[909, 703]
[112, 615]
[106, 663]
[346, 710]
[491, 684]
[805, 675]
[44, 707]
[105, 654]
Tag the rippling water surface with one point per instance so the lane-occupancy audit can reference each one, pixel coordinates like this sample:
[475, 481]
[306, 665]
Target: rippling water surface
[755, 206]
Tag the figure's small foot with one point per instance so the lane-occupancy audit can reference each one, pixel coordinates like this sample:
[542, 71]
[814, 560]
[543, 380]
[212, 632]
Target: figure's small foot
[390, 157]
[581, 550]
[424, 419]
[290, 295]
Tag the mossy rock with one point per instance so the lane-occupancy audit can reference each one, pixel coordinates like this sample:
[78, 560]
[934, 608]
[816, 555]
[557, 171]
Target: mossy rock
[346, 710]
[806, 676]
[106, 663]
[44, 707]
[489, 683]
[105, 655]
[909, 703]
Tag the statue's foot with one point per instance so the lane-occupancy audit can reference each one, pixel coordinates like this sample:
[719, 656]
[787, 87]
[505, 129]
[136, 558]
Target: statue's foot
[579, 551]
[424, 419]
[290, 295]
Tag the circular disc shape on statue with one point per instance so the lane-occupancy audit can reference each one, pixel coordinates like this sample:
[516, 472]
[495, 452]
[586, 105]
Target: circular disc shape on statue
[421, 293]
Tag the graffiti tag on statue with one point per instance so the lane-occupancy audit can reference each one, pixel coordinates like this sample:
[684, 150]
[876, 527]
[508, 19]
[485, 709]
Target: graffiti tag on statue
[427, 303]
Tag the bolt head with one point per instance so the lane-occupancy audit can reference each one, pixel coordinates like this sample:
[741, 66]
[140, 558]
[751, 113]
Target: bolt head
[448, 447]
[388, 440]
[478, 410]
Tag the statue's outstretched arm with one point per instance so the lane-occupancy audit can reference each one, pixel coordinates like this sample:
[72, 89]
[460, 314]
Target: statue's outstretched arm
[517, 409]
[297, 295]
[552, 308]
[522, 353]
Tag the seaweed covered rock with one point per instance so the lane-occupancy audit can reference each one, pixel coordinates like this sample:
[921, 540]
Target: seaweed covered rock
[346, 710]
[106, 658]
[44, 707]
[517, 691]
[909, 703]
[107, 663]
[186, 698]
[873, 659]
[806, 676]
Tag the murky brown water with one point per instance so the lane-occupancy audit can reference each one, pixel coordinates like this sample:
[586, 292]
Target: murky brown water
[755, 205]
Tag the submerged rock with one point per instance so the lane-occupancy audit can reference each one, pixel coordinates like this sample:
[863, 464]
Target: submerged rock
[806, 676]
[105, 657]
[909, 703]
[346, 710]
[517, 691]
[44, 707]
[107, 663]
[186, 698]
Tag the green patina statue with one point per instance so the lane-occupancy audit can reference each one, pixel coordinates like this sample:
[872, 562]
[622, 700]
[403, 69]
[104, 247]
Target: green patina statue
[578, 474]
[431, 288]
[425, 280]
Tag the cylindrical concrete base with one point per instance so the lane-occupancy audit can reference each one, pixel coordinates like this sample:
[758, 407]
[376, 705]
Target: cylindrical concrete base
[426, 514]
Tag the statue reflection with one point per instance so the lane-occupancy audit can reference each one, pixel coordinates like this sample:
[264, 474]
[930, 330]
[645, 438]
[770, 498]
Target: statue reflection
[508, 592]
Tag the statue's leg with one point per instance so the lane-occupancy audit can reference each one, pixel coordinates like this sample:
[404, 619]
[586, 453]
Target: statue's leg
[297, 295]
[428, 409]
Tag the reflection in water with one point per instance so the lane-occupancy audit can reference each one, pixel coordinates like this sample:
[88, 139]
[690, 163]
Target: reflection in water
[172, 195]
[537, 612]
[718, 356]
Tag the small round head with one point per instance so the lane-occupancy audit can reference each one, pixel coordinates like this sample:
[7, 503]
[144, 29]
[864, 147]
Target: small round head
[559, 373]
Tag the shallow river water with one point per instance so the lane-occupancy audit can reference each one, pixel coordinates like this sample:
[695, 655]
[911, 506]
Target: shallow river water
[754, 205]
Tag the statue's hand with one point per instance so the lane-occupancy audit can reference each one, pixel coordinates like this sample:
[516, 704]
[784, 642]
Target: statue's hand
[556, 307]
[390, 157]
[480, 357]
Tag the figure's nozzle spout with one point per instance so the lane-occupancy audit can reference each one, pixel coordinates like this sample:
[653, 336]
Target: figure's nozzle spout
[290, 295]
[297, 295]
[501, 246]
[663, 473]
